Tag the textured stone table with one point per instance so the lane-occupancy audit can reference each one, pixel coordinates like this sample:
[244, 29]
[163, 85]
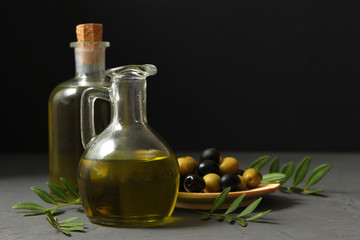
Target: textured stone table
[333, 215]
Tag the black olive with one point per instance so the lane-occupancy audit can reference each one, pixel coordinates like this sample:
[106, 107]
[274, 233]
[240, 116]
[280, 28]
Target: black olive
[230, 180]
[208, 166]
[240, 172]
[210, 154]
[194, 183]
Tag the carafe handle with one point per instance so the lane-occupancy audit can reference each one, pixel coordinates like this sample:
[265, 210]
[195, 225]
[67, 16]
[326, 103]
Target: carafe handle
[87, 123]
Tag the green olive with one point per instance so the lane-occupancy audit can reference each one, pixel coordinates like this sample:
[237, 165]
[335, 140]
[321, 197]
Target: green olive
[253, 177]
[229, 165]
[243, 183]
[187, 165]
[212, 183]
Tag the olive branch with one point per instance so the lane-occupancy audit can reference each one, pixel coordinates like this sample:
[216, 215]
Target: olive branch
[67, 195]
[240, 218]
[288, 170]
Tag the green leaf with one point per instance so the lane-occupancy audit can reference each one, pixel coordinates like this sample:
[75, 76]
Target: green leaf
[220, 199]
[260, 162]
[28, 206]
[68, 219]
[34, 214]
[53, 210]
[317, 174]
[296, 189]
[229, 218]
[257, 216]
[271, 177]
[73, 224]
[312, 192]
[274, 165]
[45, 196]
[235, 204]
[301, 170]
[219, 217]
[70, 188]
[242, 222]
[58, 191]
[288, 170]
[66, 233]
[51, 223]
[206, 217]
[72, 229]
[249, 209]
[51, 219]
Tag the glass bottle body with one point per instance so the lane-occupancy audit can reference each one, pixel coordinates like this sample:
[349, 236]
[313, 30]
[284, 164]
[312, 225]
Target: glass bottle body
[65, 148]
[128, 176]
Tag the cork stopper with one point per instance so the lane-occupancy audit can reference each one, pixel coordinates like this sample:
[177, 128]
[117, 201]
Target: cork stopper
[89, 48]
[89, 32]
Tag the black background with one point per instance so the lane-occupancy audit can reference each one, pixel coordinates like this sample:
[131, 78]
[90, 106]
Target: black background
[238, 75]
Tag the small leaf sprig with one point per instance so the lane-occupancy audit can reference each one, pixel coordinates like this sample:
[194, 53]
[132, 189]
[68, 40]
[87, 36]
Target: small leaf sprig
[288, 170]
[65, 226]
[69, 196]
[234, 205]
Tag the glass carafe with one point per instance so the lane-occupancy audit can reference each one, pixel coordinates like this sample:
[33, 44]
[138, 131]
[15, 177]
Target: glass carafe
[127, 176]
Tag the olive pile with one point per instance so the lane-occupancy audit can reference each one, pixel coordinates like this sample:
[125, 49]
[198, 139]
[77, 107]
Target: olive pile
[214, 173]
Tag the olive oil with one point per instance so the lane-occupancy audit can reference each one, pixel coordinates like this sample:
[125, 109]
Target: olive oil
[129, 192]
[65, 148]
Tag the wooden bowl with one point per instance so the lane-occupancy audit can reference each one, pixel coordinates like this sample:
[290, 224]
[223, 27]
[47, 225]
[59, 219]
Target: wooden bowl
[204, 201]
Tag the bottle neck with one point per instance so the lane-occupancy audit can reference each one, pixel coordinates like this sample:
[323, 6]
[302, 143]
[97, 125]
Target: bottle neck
[128, 99]
[90, 59]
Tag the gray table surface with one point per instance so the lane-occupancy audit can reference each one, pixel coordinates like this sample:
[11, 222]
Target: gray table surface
[333, 215]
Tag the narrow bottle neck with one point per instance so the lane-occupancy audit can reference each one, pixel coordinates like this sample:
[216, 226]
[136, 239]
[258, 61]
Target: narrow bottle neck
[90, 60]
[128, 99]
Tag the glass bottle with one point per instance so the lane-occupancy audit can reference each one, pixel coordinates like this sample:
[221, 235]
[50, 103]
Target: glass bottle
[65, 148]
[128, 175]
